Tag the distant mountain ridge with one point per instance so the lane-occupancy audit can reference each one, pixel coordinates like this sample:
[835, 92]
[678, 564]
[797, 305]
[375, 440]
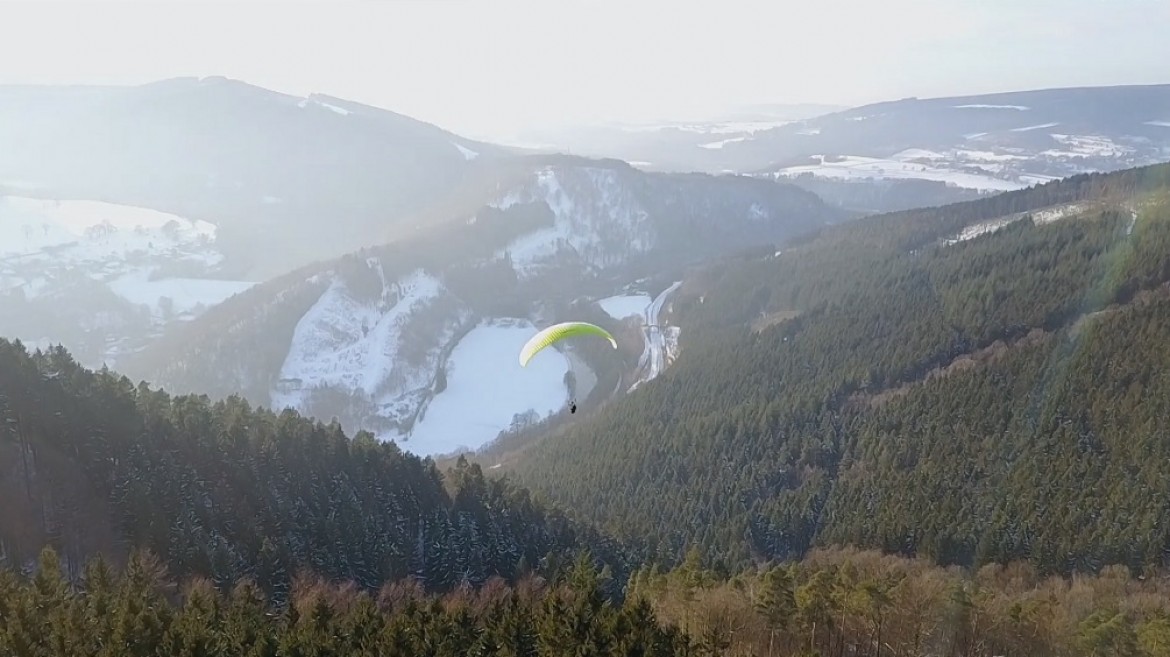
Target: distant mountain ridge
[263, 166]
[913, 152]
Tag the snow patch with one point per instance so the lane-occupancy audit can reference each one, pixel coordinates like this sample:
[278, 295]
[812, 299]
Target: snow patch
[1050, 215]
[487, 388]
[721, 143]
[339, 110]
[1039, 217]
[980, 106]
[30, 225]
[623, 306]
[589, 224]
[185, 294]
[718, 127]
[852, 167]
[467, 153]
[1087, 146]
[351, 344]
[975, 230]
[918, 154]
[1035, 127]
[1036, 178]
[988, 156]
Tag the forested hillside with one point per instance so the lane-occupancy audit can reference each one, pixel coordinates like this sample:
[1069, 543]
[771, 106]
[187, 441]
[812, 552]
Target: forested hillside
[89, 464]
[898, 383]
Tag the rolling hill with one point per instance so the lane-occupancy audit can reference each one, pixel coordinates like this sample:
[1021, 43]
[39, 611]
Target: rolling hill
[264, 167]
[915, 152]
[376, 337]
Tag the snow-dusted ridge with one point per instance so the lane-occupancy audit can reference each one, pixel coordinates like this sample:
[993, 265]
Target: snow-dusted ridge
[596, 219]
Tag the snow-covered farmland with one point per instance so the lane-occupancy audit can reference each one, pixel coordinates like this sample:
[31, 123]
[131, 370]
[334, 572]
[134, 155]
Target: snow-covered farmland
[623, 306]
[487, 388]
[853, 167]
[185, 294]
[88, 231]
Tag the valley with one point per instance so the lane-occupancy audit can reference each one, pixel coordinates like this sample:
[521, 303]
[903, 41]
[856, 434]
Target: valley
[890, 379]
[545, 329]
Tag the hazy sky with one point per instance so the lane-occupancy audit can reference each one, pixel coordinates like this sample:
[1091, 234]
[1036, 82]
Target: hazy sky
[485, 67]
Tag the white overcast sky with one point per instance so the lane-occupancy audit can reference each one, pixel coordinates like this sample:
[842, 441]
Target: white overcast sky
[485, 67]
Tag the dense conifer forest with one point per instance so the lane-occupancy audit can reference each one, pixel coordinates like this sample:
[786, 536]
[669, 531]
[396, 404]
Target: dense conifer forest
[999, 398]
[834, 602]
[94, 464]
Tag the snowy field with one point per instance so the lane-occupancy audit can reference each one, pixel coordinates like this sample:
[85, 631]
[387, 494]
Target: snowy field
[1021, 108]
[487, 388]
[185, 294]
[41, 241]
[53, 251]
[853, 167]
[623, 306]
[1086, 146]
[87, 231]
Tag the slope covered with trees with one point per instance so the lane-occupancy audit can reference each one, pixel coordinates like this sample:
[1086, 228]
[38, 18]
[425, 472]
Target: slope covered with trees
[139, 612]
[998, 398]
[837, 602]
[92, 464]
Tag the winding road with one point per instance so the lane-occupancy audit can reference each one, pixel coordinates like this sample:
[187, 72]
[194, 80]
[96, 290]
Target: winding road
[653, 358]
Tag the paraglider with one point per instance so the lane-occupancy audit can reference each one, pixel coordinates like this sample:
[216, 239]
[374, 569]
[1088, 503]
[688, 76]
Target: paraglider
[556, 333]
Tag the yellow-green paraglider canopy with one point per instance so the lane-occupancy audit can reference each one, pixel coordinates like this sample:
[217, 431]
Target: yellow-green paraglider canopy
[558, 332]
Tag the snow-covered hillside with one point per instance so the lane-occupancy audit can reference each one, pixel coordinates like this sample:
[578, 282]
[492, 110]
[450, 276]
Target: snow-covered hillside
[412, 364]
[1044, 216]
[133, 269]
[365, 350]
[607, 216]
[598, 219]
[988, 143]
